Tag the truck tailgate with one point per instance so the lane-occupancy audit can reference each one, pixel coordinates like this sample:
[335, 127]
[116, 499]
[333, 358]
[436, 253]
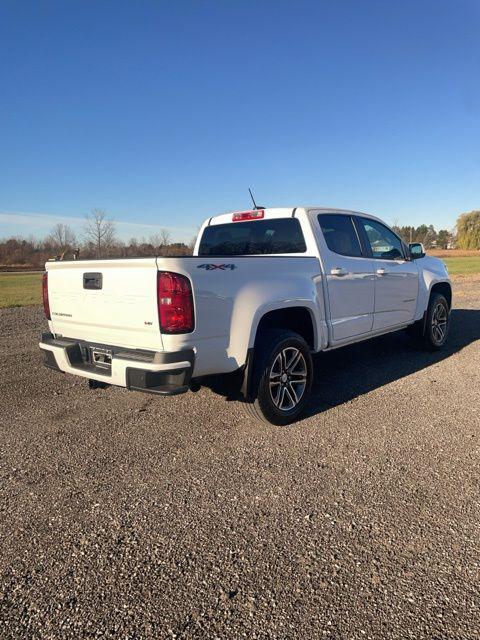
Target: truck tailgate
[111, 302]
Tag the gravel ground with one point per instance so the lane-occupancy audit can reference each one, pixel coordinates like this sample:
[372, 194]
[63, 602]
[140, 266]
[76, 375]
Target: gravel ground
[124, 515]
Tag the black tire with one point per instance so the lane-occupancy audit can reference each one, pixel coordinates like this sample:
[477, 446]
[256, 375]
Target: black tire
[281, 388]
[437, 322]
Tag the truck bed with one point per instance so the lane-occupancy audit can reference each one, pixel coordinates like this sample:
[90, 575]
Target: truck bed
[114, 302]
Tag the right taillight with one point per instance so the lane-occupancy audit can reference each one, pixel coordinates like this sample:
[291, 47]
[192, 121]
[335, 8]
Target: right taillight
[175, 303]
[46, 303]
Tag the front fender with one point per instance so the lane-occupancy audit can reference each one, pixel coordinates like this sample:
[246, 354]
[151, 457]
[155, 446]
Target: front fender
[432, 271]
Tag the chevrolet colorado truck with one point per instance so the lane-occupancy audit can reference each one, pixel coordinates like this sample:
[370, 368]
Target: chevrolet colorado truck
[264, 290]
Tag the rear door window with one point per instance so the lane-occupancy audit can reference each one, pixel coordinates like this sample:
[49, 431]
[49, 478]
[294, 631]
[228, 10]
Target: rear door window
[255, 237]
[340, 234]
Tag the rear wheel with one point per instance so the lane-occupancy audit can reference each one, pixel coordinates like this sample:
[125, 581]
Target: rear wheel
[437, 322]
[282, 375]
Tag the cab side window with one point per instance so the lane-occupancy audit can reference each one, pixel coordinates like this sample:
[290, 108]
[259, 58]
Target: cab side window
[340, 234]
[384, 243]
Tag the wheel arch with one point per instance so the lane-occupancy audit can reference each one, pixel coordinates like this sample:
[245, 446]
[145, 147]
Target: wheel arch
[297, 318]
[443, 288]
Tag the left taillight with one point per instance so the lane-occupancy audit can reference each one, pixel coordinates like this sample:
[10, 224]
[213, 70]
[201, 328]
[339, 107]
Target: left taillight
[175, 303]
[46, 303]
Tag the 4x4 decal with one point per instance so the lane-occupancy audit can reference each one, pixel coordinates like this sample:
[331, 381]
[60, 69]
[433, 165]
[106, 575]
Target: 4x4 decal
[211, 267]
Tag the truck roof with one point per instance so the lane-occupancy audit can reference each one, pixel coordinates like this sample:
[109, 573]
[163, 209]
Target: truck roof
[286, 212]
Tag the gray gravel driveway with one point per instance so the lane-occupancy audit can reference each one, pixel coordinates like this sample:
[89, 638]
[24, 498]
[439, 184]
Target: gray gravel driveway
[129, 516]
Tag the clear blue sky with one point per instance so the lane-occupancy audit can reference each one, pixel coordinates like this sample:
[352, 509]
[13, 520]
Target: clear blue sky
[163, 113]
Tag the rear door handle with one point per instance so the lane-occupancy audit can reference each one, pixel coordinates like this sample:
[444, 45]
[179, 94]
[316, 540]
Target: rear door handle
[382, 272]
[338, 271]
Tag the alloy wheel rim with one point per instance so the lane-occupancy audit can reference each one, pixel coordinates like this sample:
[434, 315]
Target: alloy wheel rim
[288, 378]
[439, 323]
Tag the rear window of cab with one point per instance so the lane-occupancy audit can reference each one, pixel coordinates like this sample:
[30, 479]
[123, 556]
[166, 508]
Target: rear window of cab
[255, 237]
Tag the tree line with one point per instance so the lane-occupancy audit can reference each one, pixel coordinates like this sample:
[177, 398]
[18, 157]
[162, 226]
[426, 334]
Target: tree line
[465, 235]
[427, 235]
[99, 240]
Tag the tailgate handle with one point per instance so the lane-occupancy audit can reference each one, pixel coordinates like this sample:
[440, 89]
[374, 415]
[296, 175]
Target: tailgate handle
[92, 280]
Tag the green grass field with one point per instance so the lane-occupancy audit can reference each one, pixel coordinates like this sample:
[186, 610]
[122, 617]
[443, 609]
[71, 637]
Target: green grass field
[463, 266]
[20, 289]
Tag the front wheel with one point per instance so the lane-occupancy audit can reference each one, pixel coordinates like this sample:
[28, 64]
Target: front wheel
[282, 373]
[437, 322]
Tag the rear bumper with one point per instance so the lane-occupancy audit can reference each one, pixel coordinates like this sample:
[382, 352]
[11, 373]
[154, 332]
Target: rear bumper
[136, 369]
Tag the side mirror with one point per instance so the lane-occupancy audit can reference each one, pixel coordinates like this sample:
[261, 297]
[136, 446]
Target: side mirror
[416, 250]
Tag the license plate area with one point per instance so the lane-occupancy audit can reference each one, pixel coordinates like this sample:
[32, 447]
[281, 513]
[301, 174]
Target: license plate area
[101, 358]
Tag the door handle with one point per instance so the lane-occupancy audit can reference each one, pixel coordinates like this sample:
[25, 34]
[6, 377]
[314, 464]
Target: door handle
[382, 272]
[338, 271]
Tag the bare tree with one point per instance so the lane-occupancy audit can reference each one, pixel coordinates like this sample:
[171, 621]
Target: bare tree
[161, 241]
[62, 238]
[166, 237]
[99, 231]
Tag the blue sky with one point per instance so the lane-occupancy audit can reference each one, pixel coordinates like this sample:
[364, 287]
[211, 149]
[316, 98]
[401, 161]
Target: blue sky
[163, 113]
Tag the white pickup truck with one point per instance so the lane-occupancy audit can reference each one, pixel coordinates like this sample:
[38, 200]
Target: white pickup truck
[263, 291]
